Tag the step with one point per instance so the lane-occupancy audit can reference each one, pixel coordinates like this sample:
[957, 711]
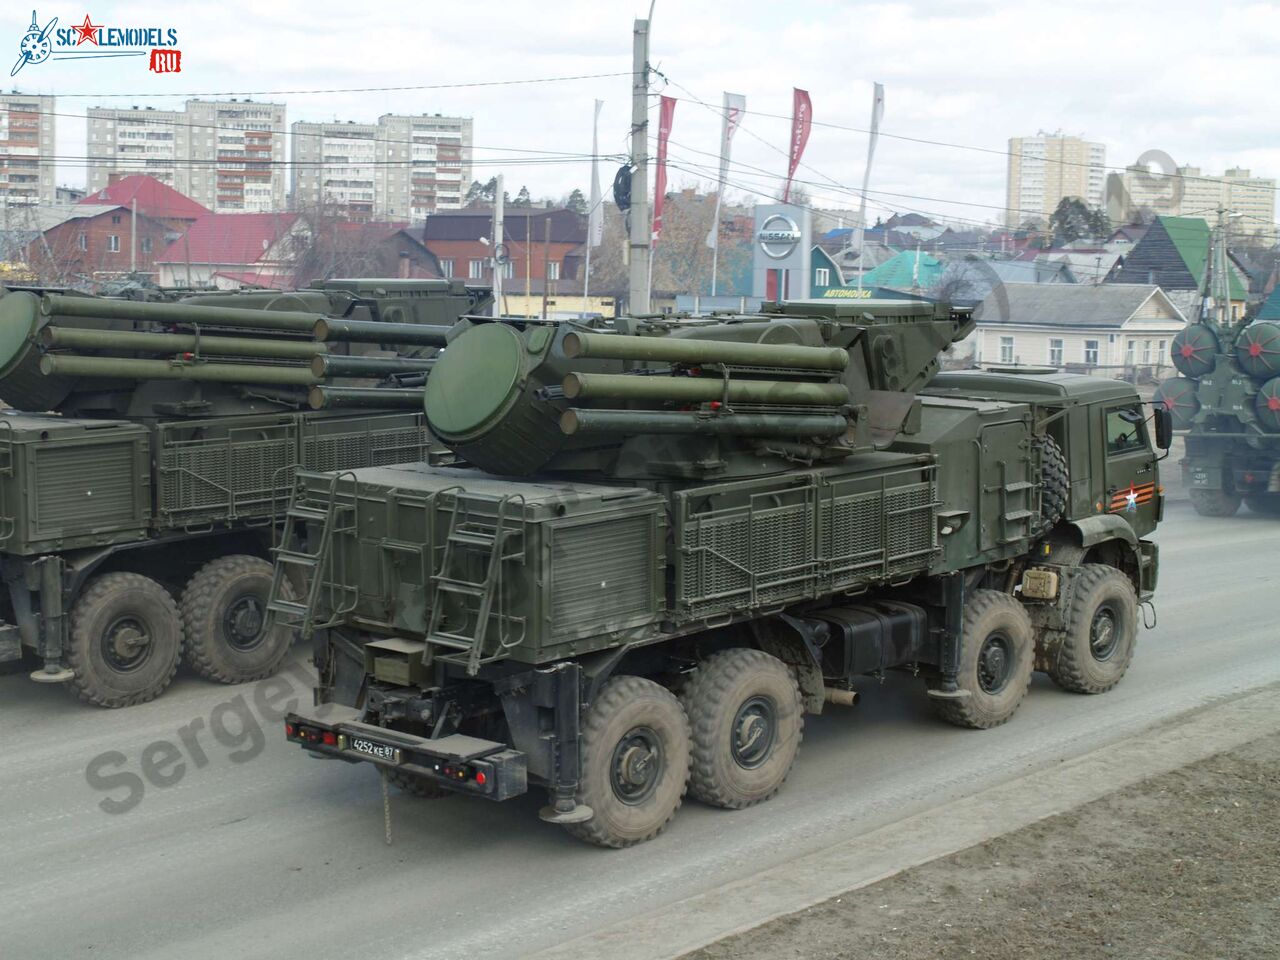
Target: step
[454, 641]
[472, 538]
[462, 587]
[288, 607]
[1019, 485]
[1017, 515]
[308, 513]
[297, 558]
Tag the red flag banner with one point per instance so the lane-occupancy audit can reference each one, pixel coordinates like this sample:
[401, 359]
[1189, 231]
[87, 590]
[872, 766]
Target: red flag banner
[665, 112]
[801, 120]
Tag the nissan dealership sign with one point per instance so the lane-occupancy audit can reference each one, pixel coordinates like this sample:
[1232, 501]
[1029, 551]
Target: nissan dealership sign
[781, 250]
[779, 236]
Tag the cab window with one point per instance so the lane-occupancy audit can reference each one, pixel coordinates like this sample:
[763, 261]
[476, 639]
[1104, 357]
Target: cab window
[1124, 431]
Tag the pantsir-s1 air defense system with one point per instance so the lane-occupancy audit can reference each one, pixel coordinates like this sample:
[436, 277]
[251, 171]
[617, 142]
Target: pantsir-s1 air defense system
[1227, 398]
[677, 537]
[150, 450]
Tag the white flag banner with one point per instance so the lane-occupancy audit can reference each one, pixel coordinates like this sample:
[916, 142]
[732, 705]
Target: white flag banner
[877, 111]
[595, 215]
[735, 106]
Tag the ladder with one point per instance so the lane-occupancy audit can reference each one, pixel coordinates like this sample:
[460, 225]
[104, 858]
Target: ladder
[495, 544]
[333, 518]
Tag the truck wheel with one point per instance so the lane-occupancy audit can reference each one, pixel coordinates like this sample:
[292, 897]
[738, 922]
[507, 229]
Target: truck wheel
[417, 786]
[1055, 483]
[125, 641]
[997, 651]
[1267, 504]
[224, 609]
[1102, 628]
[1214, 503]
[635, 763]
[746, 722]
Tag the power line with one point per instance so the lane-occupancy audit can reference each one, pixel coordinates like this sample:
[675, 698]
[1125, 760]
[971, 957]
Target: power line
[316, 90]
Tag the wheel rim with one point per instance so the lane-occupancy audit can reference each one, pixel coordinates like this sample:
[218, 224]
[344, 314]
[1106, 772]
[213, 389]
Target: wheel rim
[638, 765]
[126, 644]
[242, 622]
[995, 663]
[755, 730]
[1104, 633]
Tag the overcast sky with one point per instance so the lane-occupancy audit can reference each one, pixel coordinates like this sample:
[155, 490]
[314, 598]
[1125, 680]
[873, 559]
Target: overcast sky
[1195, 80]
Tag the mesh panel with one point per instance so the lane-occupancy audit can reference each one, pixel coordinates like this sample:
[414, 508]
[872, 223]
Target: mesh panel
[225, 478]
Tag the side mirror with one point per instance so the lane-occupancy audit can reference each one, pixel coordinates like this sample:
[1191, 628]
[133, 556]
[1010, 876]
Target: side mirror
[1164, 426]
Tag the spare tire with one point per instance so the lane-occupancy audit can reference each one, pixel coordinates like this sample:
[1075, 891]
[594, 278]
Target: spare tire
[1055, 483]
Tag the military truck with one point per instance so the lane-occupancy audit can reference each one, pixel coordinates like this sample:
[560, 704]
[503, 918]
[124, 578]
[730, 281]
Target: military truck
[150, 450]
[1227, 398]
[677, 538]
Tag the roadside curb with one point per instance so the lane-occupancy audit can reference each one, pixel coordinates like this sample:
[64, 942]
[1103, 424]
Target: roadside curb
[939, 832]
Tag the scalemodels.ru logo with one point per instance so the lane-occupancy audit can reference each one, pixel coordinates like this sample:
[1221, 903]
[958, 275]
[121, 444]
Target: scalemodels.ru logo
[90, 40]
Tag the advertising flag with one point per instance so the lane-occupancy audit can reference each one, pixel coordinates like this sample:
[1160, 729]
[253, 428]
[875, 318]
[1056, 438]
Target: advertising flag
[595, 214]
[735, 105]
[877, 111]
[666, 111]
[801, 120]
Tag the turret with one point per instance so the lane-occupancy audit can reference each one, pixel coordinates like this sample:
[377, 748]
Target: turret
[654, 398]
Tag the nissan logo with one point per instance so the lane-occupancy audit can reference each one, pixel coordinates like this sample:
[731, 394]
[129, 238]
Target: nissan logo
[779, 235]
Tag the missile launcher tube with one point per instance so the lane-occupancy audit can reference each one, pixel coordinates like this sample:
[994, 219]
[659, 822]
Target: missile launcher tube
[342, 398]
[80, 338]
[326, 366]
[133, 369]
[57, 305]
[328, 329]
[686, 350]
[584, 421]
[590, 386]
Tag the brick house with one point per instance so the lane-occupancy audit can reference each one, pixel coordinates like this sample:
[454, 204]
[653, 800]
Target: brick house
[95, 242]
[541, 244]
[153, 199]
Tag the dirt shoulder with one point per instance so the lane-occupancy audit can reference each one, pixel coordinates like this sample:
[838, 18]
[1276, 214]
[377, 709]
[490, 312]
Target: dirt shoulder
[1184, 865]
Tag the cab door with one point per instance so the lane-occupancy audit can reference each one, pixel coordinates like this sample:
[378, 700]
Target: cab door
[1130, 478]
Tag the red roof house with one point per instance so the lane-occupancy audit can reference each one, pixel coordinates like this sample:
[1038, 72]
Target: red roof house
[265, 246]
[154, 199]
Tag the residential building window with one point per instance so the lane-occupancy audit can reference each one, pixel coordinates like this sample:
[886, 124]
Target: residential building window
[1161, 353]
[1006, 349]
[115, 218]
[1128, 352]
[475, 269]
[146, 244]
[83, 241]
[1055, 352]
[113, 243]
[446, 269]
[1235, 311]
[508, 269]
[1146, 352]
[822, 277]
[1091, 353]
[553, 270]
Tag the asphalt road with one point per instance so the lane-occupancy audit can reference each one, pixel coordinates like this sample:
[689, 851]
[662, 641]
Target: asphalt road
[254, 849]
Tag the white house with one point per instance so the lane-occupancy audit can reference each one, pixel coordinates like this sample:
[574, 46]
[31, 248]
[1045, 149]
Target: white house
[1107, 328]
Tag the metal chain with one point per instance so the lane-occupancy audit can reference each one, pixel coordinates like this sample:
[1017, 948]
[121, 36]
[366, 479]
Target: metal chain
[386, 805]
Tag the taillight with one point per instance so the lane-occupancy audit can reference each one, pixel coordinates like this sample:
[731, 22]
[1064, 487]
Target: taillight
[329, 738]
[481, 778]
[290, 730]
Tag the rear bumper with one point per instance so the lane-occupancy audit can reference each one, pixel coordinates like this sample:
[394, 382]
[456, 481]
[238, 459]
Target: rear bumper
[463, 764]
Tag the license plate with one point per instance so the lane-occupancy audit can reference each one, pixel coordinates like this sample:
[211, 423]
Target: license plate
[372, 749]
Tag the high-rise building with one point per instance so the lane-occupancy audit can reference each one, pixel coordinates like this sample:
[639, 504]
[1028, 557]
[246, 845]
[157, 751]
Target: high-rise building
[334, 167]
[427, 164]
[404, 167]
[1048, 167]
[1191, 193]
[27, 173]
[228, 155]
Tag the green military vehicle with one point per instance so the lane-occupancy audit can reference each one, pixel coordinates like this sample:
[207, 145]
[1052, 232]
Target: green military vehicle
[151, 449]
[1227, 398]
[676, 538]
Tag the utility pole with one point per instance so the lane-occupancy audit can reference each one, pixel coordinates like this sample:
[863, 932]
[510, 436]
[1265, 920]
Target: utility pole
[498, 266]
[546, 262]
[641, 228]
[133, 236]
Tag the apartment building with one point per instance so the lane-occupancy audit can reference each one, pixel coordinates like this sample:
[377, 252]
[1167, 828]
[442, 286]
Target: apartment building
[334, 167]
[225, 154]
[1044, 169]
[1193, 193]
[27, 173]
[404, 167]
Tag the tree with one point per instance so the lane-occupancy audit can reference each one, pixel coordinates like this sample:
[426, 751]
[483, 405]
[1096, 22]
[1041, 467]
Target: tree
[576, 202]
[1074, 219]
[522, 198]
